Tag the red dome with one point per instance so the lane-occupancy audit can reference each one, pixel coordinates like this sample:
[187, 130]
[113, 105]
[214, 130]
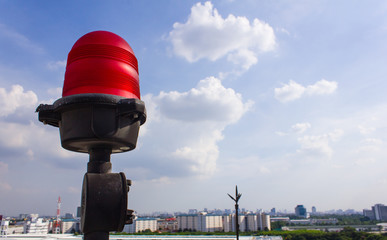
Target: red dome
[102, 62]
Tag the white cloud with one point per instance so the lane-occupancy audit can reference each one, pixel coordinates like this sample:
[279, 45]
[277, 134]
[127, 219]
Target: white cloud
[16, 98]
[365, 161]
[301, 127]
[243, 57]
[23, 139]
[298, 128]
[282, 30]
[370, 145]
[207, 35]
[184, 129]
[250, 167]
[375, 141]
[292, 90]
[281, 134]
[365, 130]
[289, 92]
[19, 39]
[335, 135]
[31, 139]
[209, 101]
[55, 93]
[319, 145]
[57, 65]
[202, 156]
[322, 87]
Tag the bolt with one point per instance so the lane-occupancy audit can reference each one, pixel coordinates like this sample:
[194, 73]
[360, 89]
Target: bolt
[128, 184]
[129, 216]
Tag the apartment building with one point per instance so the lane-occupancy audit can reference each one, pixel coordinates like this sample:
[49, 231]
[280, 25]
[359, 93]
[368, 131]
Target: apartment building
[204, 222]
[141, 224]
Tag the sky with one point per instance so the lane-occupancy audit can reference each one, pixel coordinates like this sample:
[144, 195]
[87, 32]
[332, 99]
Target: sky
[286, 99]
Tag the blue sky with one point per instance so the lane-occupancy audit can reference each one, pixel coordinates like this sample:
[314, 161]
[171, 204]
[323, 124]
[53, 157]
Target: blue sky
[286, 99]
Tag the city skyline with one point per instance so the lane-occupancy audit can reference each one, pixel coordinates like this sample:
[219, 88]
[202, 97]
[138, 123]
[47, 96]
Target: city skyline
[278, 211]
[285, 99]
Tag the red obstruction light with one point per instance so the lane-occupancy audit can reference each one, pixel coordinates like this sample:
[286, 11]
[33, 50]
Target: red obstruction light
[100, 106]
[102, 62]
[100, 113]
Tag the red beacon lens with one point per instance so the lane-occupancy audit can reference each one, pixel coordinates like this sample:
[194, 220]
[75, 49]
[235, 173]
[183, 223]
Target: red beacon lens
[102, 62]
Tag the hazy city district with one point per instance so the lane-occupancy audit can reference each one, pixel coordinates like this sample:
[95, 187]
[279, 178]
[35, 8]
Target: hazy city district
[220, 221]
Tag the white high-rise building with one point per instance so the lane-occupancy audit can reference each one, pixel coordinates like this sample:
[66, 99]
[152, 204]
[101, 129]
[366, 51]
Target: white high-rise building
[242, 223]
[263, 221]
[3, 227]
[369, 213]
[141, 224]
[202, 222]
[380, 212]
[227, 223]
[210, 222]
[251, 222]
[188, 222]
[258, 222]
[36, 225]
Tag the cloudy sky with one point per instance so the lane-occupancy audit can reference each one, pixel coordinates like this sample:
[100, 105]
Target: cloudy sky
[286, 99]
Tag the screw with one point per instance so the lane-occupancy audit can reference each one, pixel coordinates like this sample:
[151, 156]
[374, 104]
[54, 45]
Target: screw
[128, 184]
[129, 216]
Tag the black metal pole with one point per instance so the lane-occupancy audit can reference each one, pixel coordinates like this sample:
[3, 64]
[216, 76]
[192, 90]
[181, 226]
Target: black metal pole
[96, 236]
[99, 162]
[236, 199]
[237, 221]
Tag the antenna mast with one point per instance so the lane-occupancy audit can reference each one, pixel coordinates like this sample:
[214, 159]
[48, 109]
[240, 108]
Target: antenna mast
[56, 227]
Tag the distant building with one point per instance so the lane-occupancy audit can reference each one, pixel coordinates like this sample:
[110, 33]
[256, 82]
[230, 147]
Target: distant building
[69, 216]
[378, 212]
[192, 211]
[383, 226]
[279, 219]
[263, 222]
[79, 212]
[300, 221]
[36, 225]
[167, 225]
[69, 226]
[369, 213]
[200, 222]
[218, 212]
[210, 222]
[227, 222]
[331, 221]
[251, 222]
[314, 211]
[4, 223]
[23, 216]
[141, 224]
[242, 223]
[188, 222]
[272, 212]
[300, 211]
